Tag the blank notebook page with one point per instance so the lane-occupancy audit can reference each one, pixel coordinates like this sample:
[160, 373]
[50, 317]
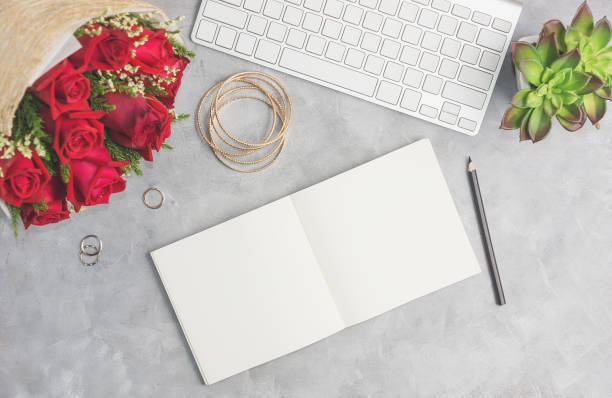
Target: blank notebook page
[247, 291]
[386, 232]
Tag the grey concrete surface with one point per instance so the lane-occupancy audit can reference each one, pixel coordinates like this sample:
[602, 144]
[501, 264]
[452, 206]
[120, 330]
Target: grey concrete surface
[109, 331]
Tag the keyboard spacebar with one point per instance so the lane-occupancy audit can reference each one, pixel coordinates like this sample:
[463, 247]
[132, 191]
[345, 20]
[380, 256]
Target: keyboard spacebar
[328, 72]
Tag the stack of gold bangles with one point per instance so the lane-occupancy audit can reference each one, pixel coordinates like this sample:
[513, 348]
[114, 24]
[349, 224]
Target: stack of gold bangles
[232, 151]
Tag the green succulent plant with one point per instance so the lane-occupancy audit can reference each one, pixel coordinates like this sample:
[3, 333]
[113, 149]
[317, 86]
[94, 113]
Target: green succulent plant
[570, 74]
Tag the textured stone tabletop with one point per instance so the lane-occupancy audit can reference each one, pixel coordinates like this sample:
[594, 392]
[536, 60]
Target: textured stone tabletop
[109, 330]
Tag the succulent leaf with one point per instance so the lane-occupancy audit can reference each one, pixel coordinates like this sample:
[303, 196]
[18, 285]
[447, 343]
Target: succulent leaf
[601, 34]
[522, 50]
[605, 92]
[533, 100]
[532, 70]
[570, 60]
[519, 100]
[557, 28]
[572, 38]
[513, 118]
[547, 49]
[594, 84]
[569, 97]
[583, 19]
[595, 107]
[571, 117]
[549, 108]
[524, 134]
[575, 81]
[539, 124]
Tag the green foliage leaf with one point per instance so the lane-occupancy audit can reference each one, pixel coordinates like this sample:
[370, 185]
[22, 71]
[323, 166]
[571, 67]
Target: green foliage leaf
[595, 107]
[524, 134]
[532, 70]
[522, 50]
[534, 100]
[15, 212]
[557, 28]
[605, 92]
[65, 172]
[539, 124]
[601, 34]
[549, 108]
[571, 117]
[121, 153]
[583, 20]
[593, 84]
[519, 100]
[547, 49]
[575, 81]
[570, 60]
[569, 98]
[513, 118]
[179, 49]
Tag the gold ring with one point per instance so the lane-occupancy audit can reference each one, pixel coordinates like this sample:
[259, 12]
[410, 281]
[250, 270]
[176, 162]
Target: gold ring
[150, 206]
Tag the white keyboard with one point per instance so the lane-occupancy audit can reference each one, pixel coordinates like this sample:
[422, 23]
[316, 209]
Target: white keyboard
[433, 59]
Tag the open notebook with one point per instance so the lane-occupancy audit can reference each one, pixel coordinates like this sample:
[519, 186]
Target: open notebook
[299, 269]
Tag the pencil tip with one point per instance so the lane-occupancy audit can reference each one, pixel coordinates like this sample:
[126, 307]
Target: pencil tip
[471, 166]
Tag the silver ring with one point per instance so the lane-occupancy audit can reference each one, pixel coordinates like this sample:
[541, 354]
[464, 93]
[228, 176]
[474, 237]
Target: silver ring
[89, 246]
[86, 263]
[150, 206]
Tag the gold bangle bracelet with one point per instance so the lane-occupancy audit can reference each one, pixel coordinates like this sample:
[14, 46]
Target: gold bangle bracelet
[229, 149]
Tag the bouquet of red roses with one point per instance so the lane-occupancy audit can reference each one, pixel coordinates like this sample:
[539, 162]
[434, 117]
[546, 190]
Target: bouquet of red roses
[92, 118]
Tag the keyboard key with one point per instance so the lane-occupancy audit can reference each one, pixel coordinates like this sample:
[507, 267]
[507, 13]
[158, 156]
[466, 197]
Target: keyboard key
[447, 25]
[481, 18]
[351, 35]
[328, 72]
[431, 41]
[448, 117]
[314, 5]
[354, 58]
[392, 28]
[501, 25]
[253, 5]
[331, 29]
[408, 12]
[353, 14]
[450, 48]
[257, 25]
[467, 124]
[370, 42]
[393, 71]
[335, 51]
[293, 16]
[411, 34]
[429, 62]
[432, 84]
[388, 6]
[368, 3]
[296, 38]
[267, 51]
[277, 32]
[467, 31]
[372, 21]
[470, 54]
[461, 11]
[226, 37]
[492, 40]
[206, 30]
[442, 5]
[312, 22]
[489, 61]
[424, 2]
[464, 95]
[245, 44]
[475, 77]
[389, 92]
[428, 18]
[233, 2]
[451, 108]
[428, 111]
[273, 9]
[225, 14]
[448, 68]
[410, 55]
[410, 100]
[374, 64]
[296, 2]
[333, 8]
[390, 49]
[315, 45]
[413, 77]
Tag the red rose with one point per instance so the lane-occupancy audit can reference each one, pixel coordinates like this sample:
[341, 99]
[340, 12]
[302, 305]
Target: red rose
[153, 55]
[75, 134]
[63, 89]
[54, 195]
[23, 179]
[137, 122]
[108, 51]
[94, 178]
[179, 65]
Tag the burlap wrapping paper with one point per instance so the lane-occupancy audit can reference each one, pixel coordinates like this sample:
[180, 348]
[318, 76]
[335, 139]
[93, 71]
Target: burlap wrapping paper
[33, 37]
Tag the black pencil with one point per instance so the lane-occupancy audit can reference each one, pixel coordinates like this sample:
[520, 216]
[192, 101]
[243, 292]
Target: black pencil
[485, 231]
